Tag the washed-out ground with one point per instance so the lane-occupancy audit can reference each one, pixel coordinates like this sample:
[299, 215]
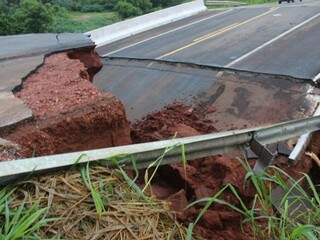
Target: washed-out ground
[71, 114]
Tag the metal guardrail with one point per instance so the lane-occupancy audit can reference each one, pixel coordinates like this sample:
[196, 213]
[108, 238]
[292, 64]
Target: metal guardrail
[145, 153]
[302, 142]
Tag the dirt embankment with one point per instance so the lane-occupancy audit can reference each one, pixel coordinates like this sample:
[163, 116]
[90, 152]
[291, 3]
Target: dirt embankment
[174, 118]
[204, 177]
[70, 113]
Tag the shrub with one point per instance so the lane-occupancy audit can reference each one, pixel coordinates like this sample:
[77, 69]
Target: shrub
[33, 16]
[29, 16]
[110, 4]
[127, 9]
[68, 4]
[144, 5]
[166, 3]
[92, 8]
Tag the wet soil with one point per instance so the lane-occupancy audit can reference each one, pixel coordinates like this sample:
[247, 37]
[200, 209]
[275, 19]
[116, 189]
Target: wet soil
[180, 185]
[199, 179]
[70, 113]
[175, 119]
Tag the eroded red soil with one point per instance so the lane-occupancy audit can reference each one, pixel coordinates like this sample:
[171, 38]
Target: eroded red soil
[174, 118]
[60, 85]
[70, 113]
[203, 177]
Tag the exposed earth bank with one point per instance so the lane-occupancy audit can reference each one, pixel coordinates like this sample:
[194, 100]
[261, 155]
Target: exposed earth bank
[71, 114]
[198, 179]
[203, 178]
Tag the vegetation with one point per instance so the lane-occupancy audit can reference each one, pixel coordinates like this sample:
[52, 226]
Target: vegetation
[90, 202]
[294, 216]
[28, 16]
[35, 16]
[83, 22]
[93, 201]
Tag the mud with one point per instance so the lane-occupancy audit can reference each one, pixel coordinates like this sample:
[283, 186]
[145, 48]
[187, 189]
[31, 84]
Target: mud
[180, 185]
[175, 119]
[70, 113]
[202, 178]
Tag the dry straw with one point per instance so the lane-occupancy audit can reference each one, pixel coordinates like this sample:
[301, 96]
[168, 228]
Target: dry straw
[96, 203]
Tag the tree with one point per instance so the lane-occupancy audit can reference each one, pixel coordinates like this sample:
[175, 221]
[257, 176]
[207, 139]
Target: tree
[32, 16]
[166, 3]
[126, 9]
[144, 5]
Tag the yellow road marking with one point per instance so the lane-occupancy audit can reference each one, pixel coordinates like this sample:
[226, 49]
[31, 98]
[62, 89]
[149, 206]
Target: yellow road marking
[216, 33]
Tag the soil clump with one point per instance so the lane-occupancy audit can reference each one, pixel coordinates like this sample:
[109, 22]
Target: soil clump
[181, 185]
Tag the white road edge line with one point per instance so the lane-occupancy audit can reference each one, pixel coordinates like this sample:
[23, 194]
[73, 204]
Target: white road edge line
[217, 32]
[316, 78]
[164, 33]
[271, 41]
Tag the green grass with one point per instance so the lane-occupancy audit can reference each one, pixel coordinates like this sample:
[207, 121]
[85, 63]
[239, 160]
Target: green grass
[22, 220]
[90, 202]
[95, 200]
[96, 193]
[83, 22]
[286, 220]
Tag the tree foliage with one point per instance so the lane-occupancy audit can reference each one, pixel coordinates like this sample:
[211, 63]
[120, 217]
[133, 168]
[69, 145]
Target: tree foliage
[35, 16]
[27, 16]
[127, 9]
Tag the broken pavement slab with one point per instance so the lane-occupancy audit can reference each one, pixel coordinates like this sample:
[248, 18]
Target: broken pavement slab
[20, 55]
[12, 110]
[12, 71]
[39, 44]
[239, 99]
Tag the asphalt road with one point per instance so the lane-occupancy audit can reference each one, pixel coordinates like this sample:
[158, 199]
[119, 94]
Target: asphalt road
[274, 39]
[279, 39]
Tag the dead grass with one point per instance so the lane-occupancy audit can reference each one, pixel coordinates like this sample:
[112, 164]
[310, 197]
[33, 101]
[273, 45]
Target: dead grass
[125, 215]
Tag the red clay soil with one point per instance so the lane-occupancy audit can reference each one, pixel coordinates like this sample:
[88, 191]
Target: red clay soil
[174, 118]
[58, 86]
[203, 177]
[70, 113]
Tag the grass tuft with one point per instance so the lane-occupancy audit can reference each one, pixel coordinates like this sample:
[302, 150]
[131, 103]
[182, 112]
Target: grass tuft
[93, 202]
[290, 214]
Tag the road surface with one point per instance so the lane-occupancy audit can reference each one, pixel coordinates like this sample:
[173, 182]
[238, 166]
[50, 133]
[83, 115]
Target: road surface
[273, 39]
[280, 39]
